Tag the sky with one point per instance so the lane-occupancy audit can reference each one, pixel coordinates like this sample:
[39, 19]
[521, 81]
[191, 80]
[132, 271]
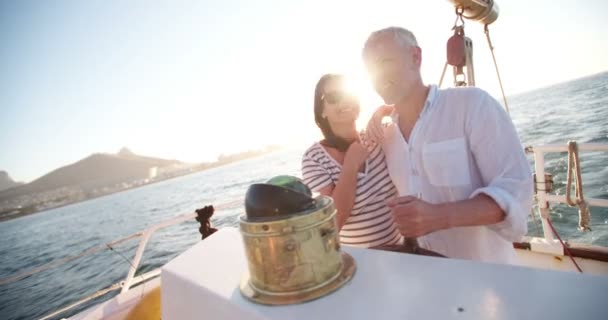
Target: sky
[190, 80]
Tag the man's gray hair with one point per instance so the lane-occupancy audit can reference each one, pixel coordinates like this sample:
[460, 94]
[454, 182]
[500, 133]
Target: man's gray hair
[402, 36]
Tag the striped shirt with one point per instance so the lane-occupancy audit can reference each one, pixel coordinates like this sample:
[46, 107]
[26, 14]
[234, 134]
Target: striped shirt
[370, 222]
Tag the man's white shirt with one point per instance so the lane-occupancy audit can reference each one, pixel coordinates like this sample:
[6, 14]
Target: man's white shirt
[464, 144]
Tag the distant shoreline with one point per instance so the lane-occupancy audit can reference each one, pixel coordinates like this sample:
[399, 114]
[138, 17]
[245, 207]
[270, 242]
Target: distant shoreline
[25, 214]
[218, 164]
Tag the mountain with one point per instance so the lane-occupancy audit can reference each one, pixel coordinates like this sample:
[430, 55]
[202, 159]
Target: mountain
[97, 170]
[6, 182]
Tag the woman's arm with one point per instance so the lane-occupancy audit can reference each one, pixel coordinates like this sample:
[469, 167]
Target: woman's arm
[345, 190]
[343, 194]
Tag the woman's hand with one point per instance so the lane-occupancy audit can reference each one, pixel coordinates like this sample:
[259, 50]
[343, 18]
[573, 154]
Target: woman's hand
[374, 131]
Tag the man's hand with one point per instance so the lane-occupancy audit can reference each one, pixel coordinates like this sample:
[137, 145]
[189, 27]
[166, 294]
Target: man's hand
[374, 131]
[416, 217]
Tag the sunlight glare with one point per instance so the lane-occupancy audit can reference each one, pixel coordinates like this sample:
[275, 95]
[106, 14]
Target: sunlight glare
[359, 84]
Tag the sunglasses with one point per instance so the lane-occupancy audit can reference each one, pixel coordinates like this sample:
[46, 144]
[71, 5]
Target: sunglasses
[334, 97]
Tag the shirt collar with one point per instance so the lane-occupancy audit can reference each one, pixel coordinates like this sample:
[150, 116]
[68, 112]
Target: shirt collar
[430, 98]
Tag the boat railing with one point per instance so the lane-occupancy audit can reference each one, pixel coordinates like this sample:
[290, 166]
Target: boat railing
[146, 234]
[548, 243]
[131, 279]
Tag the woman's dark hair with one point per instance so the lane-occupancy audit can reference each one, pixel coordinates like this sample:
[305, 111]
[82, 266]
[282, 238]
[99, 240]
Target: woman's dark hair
[331, 140]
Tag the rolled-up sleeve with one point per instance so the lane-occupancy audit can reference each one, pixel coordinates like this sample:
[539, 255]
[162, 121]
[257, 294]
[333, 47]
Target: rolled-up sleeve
[503, 165]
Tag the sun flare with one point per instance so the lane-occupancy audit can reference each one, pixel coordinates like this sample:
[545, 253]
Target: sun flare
[358, 84]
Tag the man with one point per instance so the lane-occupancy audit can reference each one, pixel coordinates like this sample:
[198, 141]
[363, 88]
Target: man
[465, 185]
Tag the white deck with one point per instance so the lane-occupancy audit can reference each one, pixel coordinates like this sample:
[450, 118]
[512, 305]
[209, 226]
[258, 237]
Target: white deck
[203, 282]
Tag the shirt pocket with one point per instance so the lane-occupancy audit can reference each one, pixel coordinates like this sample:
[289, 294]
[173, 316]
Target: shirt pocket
[446, 163]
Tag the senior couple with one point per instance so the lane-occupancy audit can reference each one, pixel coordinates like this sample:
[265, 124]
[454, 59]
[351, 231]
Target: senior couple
[449, 169]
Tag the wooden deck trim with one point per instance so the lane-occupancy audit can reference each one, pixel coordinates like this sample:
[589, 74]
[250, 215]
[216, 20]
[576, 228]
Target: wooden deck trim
[578, 250]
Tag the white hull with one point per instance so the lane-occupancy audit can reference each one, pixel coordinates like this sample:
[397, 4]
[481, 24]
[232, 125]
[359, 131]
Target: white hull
[537, 260]
[119, 307]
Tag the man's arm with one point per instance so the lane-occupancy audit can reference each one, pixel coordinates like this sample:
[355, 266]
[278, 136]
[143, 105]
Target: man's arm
[478, 211]
[416, 217]
[501, 161]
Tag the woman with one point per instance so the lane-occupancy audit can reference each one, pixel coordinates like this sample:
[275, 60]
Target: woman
[350, 170]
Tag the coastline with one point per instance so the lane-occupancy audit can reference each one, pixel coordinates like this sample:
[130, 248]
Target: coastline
[228, 161]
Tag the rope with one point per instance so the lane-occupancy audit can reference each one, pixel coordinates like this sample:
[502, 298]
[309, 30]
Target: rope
[574, 169]
[584, 217]
[564, 245]
[459, 11]
[99, 293]
[107, 246]
[445, 67]
[504, 97]
[65, 260]
[143, 286]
